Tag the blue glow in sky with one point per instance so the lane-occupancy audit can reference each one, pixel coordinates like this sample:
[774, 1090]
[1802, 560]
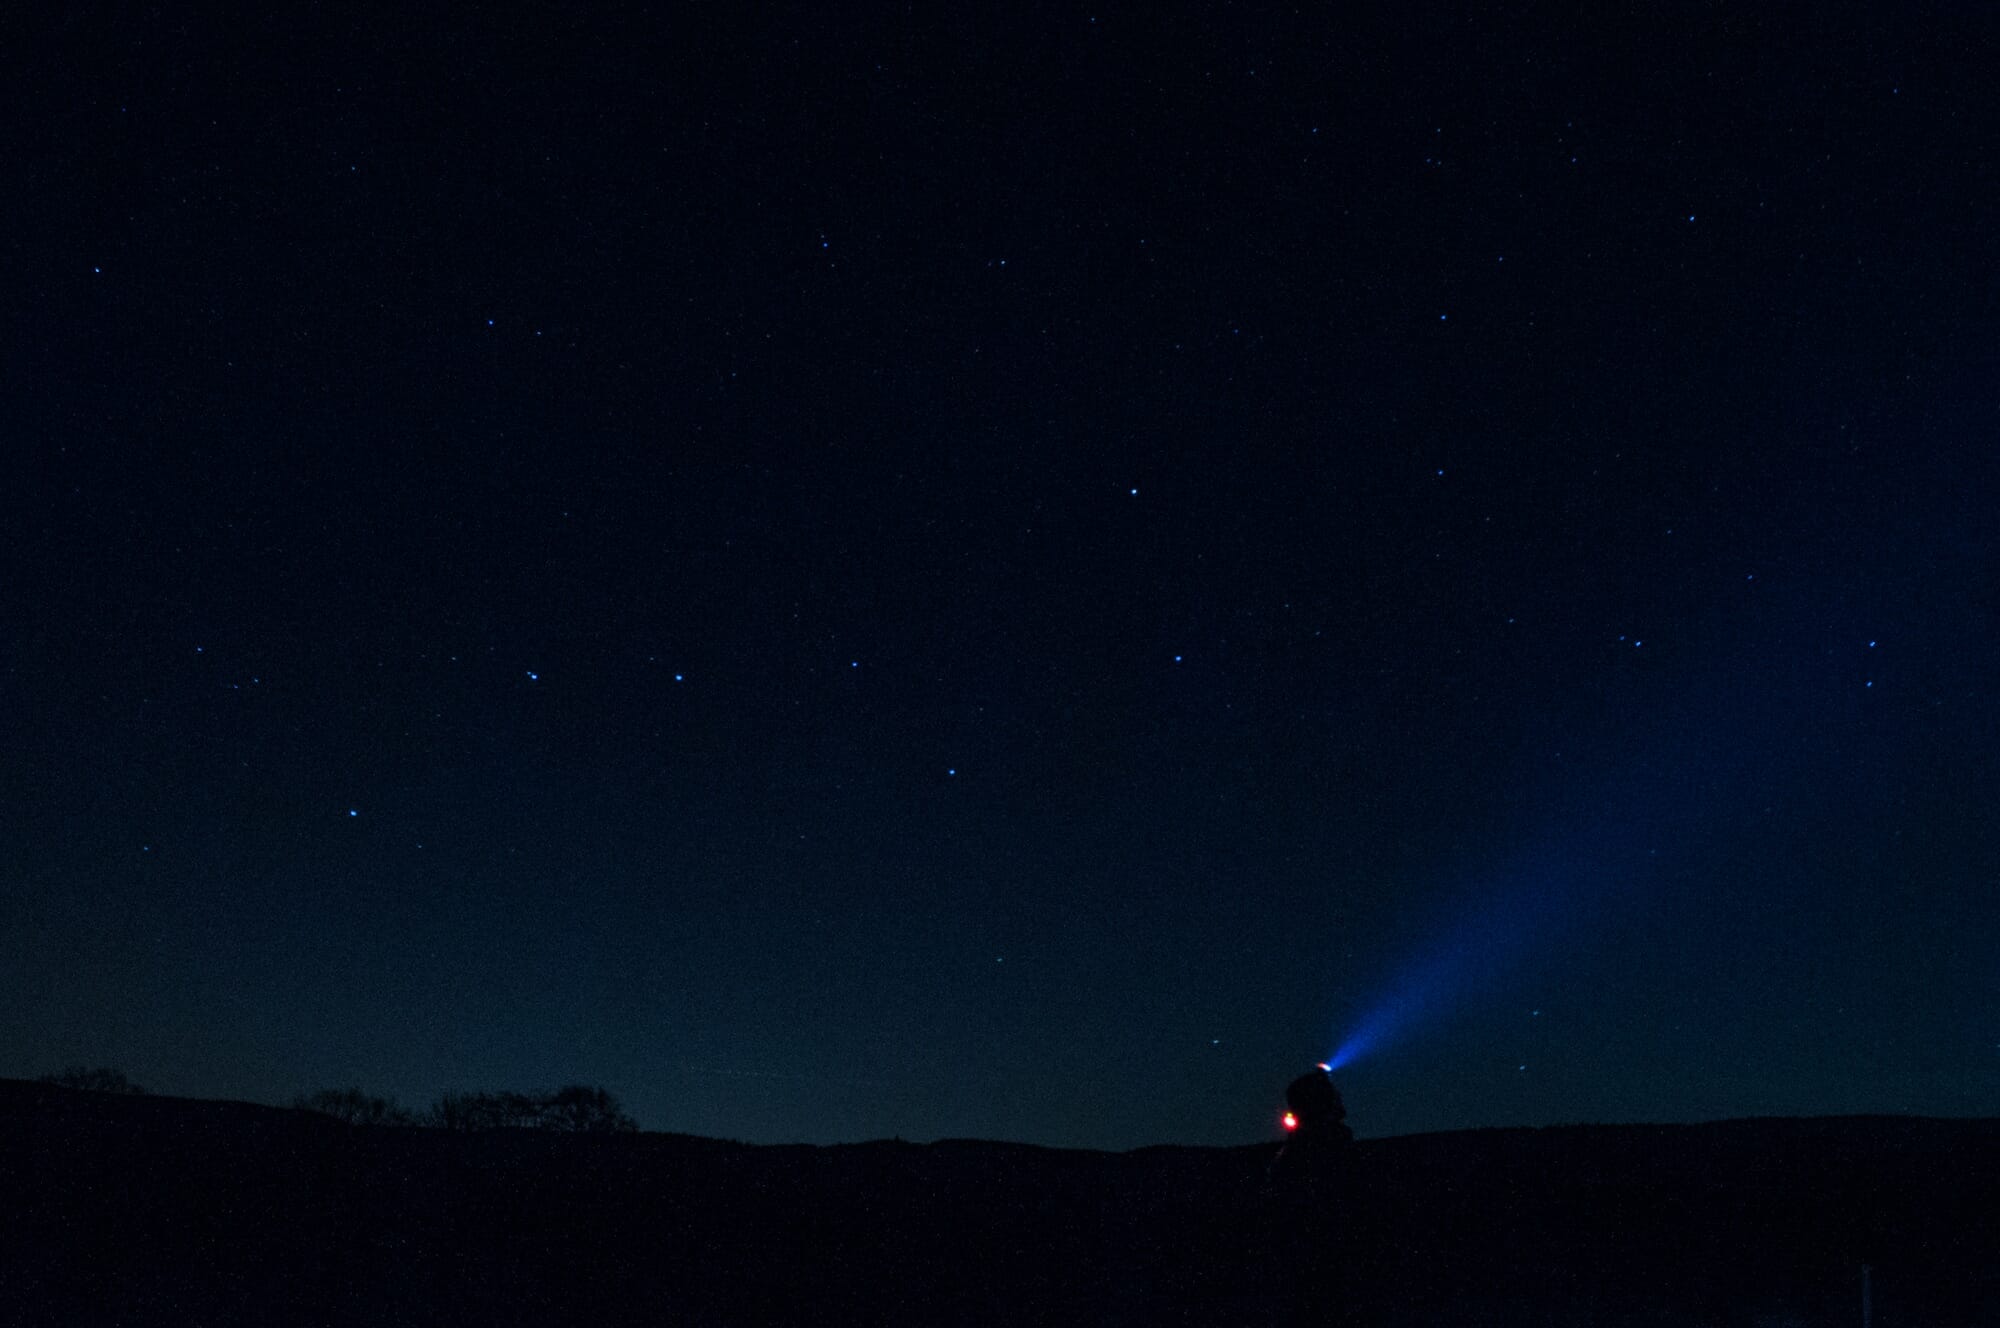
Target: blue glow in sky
[1531, 909]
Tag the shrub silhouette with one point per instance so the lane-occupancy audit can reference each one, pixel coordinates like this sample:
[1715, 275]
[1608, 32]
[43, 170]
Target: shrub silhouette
[575, 1107]
[355, 1107]
[457, 1111]
[583, 1108]
[103, 1079]
[484, 1111]
[516, 1111]
[503, 1111]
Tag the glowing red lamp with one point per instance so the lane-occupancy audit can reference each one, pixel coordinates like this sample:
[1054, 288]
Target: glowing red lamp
[1290, 1121]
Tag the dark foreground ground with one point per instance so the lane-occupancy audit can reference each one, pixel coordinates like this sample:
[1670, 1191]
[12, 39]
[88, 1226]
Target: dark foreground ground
[168, 1211]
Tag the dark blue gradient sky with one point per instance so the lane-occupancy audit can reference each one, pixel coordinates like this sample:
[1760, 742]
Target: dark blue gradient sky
[1020, 574]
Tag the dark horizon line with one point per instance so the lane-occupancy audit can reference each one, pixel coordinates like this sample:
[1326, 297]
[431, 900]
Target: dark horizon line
[9, 1082]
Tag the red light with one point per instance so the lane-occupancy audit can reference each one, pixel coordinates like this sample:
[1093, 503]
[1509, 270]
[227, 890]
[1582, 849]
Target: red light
[1290, 1121]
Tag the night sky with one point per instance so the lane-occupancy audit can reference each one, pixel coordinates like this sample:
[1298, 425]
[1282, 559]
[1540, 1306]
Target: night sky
[1029, 573]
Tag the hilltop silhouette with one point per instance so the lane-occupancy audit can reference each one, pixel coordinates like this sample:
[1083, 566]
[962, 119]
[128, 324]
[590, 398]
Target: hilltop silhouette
[146, 1209]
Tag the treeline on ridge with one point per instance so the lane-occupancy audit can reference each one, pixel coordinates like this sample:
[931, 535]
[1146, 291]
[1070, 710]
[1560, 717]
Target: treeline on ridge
[575, 1108]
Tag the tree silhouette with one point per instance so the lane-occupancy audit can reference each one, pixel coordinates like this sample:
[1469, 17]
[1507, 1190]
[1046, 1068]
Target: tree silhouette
[583, 1108]
[103, 1079]
[455, 1111]
[516, 1111]
[485, 1111]
[355, 1107]
[575, 1107]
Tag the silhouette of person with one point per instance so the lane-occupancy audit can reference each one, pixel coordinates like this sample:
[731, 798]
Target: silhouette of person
[1322, 1116]
[1317, 1119]
[1306, 1181]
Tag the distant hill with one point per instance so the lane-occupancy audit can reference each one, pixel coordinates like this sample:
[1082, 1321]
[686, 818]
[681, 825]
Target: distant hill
[156, 1210]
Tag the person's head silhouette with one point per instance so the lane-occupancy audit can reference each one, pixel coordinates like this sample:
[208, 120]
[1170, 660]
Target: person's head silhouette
[1315, 1109]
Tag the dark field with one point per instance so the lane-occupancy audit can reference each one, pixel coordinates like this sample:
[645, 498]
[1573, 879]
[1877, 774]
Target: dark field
[162, 1210]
